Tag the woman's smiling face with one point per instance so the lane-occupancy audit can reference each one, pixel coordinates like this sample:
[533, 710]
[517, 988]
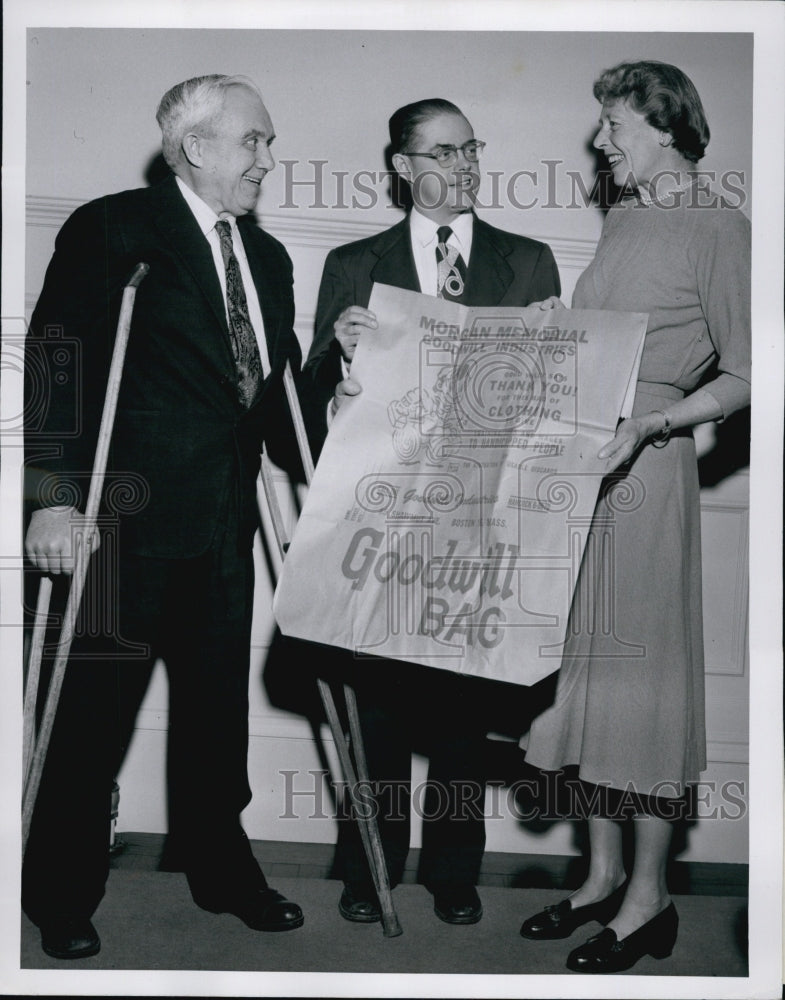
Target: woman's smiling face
[632, 146]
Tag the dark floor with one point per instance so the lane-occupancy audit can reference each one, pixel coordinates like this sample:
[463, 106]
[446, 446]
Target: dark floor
[147, 921]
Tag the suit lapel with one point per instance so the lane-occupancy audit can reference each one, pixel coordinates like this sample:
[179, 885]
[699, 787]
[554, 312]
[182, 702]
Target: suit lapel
[489, 275]
[177, 224]
[395, 265]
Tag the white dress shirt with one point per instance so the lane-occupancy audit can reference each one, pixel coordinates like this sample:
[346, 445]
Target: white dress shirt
[206, 220]
[424, 241]
[422, 232]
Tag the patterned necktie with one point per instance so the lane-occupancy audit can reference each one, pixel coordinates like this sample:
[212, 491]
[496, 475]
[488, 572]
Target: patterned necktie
[244, 344]
[451, 268]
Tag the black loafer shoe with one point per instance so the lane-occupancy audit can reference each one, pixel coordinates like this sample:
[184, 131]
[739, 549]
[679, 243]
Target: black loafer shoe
[352, 906]
[604, 952]
[458, 905]
[560, 920]
[69, 936]
[263, 910]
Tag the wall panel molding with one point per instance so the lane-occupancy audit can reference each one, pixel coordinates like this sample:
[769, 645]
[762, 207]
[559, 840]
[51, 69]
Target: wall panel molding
[728, 751]
[284, 726]
[304, 229]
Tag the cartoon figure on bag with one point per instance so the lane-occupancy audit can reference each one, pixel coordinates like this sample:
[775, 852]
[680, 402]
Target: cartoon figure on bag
[422, 416]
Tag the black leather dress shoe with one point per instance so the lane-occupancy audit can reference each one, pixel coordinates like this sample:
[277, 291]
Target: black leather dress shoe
[263, 910]
[604, 952]
[457, 905]
[359, 906]
[69, 936]
[560, 920]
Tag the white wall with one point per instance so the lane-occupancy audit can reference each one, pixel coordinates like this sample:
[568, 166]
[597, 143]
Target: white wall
[92, 95]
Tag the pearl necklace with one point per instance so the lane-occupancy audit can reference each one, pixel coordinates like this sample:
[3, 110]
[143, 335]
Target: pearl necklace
[646, 198]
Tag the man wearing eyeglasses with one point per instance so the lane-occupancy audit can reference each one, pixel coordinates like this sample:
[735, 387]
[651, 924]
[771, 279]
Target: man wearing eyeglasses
[441, 248]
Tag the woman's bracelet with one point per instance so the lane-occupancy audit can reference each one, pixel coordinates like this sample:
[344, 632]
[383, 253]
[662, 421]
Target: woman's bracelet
[660, 439]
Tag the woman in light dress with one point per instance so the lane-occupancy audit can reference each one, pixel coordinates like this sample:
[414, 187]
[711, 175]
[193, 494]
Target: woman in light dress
[629, 707]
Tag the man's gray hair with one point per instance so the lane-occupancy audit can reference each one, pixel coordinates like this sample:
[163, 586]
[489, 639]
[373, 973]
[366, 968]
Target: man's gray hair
[194, 105]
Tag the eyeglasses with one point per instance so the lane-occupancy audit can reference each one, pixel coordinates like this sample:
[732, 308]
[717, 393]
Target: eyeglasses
[446, 156]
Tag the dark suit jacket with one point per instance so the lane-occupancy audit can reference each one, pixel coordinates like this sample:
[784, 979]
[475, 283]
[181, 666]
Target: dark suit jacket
[504, 270]
[181, 439]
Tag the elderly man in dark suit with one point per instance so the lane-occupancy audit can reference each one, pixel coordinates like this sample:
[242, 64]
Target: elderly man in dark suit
[201, 392]
[440, 248]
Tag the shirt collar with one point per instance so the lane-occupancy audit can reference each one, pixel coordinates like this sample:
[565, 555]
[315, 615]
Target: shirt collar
[204, 215]
[424, 230]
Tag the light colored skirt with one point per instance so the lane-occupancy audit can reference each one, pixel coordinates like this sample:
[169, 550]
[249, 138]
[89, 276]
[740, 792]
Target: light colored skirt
[629, 707]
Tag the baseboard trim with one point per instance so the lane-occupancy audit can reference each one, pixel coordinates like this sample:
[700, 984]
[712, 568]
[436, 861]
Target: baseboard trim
[145, 851]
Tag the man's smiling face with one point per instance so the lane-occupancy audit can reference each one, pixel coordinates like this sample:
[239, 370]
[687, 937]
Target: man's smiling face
[441, 193]
[236, 154]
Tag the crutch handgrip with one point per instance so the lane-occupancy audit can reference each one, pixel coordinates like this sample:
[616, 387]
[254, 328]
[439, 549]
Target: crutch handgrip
[136, 278]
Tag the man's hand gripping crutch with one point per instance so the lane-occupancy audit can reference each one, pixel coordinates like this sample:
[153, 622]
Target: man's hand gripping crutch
[49, 547]
[369, 830]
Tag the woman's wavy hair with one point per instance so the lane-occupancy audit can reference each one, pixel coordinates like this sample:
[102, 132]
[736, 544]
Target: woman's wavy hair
[665, 96]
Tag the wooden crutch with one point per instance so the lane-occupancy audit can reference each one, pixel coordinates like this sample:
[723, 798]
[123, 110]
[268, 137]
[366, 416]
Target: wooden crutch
[34, 753]
[369, 830]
